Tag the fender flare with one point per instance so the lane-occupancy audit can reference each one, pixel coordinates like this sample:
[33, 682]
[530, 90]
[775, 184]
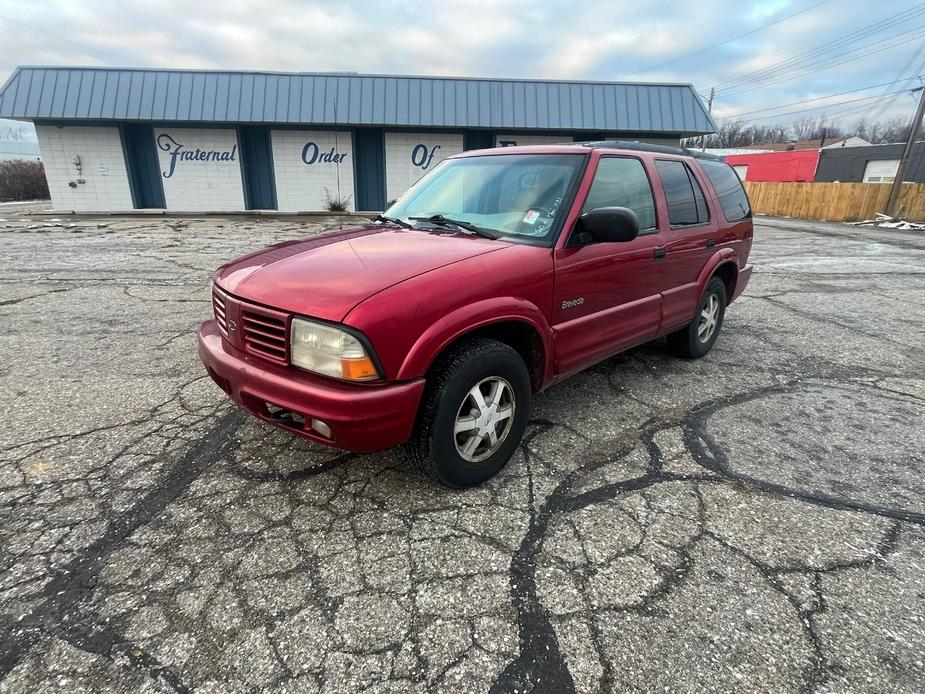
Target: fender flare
[466, 319]
[723, 256]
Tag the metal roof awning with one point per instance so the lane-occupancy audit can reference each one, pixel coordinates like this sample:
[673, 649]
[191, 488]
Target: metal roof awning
[201, 96]
[71, 93]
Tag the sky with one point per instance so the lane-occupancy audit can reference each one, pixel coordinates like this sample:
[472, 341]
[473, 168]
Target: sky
[709, 43]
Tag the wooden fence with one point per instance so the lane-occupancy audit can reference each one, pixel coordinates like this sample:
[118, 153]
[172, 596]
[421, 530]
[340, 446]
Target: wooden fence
[834, 202]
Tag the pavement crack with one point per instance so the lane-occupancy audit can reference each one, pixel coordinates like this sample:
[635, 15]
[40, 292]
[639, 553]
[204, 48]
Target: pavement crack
[70, 585]
[13, 302]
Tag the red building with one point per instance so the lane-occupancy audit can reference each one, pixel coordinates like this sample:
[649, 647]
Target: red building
[795, 165]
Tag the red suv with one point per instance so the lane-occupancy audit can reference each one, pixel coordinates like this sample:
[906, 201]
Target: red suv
[498, 274]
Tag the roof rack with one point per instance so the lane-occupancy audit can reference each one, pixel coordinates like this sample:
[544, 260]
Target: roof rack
[646, 147]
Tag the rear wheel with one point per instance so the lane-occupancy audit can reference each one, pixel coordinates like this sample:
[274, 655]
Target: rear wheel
[473, 415]
[696, 339]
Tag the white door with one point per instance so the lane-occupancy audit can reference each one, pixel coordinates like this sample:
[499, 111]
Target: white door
[881, 170]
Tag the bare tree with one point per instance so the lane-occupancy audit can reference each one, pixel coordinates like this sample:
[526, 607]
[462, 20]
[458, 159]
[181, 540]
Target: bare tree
[803, 128]
[895, 129]
[736, 133]
[13, 133]
[22, 180]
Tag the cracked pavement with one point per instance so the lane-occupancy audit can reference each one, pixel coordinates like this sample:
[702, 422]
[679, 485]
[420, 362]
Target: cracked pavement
[753, 521]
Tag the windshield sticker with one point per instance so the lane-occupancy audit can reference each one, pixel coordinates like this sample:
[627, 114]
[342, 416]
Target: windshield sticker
[531, 216]
[555, 207]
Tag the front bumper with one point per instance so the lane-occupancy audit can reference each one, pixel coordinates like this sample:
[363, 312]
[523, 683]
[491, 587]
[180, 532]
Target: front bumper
[362, 418]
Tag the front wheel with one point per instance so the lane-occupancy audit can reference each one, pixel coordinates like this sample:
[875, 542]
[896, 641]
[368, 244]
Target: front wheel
[696, 339]
[473, 415]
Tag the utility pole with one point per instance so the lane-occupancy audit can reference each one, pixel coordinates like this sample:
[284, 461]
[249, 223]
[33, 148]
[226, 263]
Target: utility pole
[703, 138]
[907, 154]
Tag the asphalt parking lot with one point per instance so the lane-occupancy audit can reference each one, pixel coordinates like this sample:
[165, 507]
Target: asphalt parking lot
[749, 522]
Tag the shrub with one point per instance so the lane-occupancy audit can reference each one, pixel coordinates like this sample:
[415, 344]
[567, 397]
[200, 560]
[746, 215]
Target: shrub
[335, 204]
[22, 180]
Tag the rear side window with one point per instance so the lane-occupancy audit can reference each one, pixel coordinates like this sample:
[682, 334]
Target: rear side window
[686, 204]
[732, 197]
[622, 182]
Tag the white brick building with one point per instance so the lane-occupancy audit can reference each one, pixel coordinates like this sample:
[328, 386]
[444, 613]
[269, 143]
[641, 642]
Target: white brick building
[85, 167]
[214, 141]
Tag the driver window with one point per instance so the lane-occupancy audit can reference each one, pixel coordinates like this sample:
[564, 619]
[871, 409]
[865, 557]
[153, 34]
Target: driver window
[622, 182]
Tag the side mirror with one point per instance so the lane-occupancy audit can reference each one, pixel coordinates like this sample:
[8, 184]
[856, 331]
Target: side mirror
[608, 224]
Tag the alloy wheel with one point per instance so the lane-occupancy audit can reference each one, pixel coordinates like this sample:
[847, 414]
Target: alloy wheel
[709, 318]
[484, 419]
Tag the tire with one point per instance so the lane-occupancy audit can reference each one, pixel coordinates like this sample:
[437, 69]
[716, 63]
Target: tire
[688, 342]
[435, 449]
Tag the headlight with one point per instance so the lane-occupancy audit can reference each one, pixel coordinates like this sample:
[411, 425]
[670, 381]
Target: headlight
[327, 350]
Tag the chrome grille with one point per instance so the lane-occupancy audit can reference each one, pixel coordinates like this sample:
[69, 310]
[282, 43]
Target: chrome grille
[264, 334]
[218, 305]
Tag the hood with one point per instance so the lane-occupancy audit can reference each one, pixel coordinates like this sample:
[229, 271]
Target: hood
[325, 276]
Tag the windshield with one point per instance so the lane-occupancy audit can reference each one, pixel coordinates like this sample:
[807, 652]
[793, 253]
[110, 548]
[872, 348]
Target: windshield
[518, 196]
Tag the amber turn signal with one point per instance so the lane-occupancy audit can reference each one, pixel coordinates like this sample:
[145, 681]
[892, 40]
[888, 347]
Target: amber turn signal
[361, 369]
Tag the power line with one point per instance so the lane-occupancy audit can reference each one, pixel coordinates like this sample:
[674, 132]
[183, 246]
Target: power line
[882, 109]
[833, 62]
[827, 47]
[854, 109]
[837, 46]
[865, 116]
[879, 110]
[58, 40]
[25, 39]
[816, 108]
[727, 41]
[819, 98]
[837, 114]
[49, 46]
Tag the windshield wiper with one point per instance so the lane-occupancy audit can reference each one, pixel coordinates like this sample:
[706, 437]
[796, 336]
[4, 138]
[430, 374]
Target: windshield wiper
[393, 220]
[440, 220]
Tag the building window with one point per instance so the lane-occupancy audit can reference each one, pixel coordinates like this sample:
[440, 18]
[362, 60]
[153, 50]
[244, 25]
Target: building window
[880, 170]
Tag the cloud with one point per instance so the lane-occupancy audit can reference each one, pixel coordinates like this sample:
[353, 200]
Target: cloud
[495, 38]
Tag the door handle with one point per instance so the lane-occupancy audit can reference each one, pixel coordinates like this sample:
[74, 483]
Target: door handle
[659, 254]
[711, 243]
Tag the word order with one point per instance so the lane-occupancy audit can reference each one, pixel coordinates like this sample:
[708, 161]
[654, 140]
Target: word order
[311, 153]
[181, 153]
